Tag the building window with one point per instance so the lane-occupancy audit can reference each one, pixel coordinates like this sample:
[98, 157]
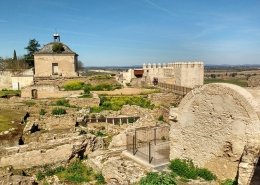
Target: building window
[55, 69]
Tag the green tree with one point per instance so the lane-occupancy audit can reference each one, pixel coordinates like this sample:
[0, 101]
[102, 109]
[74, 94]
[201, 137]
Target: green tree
[32, 47]
[14, 56]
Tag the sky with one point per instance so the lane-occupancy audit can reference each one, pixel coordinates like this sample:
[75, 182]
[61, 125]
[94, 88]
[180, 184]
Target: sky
[133, 32]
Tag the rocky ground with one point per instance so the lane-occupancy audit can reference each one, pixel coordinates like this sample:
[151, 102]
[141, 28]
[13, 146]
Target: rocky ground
[48, 140]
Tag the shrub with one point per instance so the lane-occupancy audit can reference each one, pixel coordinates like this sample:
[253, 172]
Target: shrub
[100, 134]
[233, 74]
[161, 118]
[183, 168]
[6, 93]
[73, 85]
[100, 178]
[186, 169]
[62, 102]
[76, 173]
[229, 182]
[116, 103]
[58, 111]
[30, 103]
[86, 96]
[87, 88]
[206, 174]
[42, 112]
[40, 176]
[155, 178]
[57, 48]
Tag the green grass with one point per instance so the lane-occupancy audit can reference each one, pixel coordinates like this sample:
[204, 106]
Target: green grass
[73, 85]
[86, 96]
[78, 85]
[5, 92]
[187, 170]
[155, 178]
[62, 102]
[75, 173]
[229, 182]
[239, 82]
[29, 103]
[116, 103]
[6, 116]
[5, 123]
[42, 112]
[58, 111]
[184, 169]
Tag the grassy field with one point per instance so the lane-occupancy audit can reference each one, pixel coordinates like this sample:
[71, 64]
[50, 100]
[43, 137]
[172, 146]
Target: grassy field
[238, 82]
[4, 93]
[6, 116]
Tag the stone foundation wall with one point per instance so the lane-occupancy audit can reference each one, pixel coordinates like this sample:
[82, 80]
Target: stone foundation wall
[5, 79]
[39, 153]
[187, 74]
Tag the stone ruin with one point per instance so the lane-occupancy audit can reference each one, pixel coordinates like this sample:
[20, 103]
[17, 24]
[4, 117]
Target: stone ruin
[186, 74]
[217, 126]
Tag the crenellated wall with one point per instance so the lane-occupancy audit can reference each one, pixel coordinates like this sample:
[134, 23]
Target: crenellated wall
[188, 74]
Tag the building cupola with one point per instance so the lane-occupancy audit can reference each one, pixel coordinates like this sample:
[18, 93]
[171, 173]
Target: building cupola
[56, 37]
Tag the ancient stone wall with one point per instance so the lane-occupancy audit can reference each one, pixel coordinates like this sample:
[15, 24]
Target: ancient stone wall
[19, 82]
[66, 64]
[5, 79]
[213, 125]
[46, 91]
[187, 74]
[45, 153]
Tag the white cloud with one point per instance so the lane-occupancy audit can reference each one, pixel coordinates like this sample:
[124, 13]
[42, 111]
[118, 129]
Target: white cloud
[151, 3]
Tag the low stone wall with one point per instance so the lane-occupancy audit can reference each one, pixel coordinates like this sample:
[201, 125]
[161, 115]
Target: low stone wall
[47, 91]
[50, 152]
[5, 79]
[19, 82]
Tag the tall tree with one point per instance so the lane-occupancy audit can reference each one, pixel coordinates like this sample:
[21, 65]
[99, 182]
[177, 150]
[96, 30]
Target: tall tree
[14, 56]
[32, 47]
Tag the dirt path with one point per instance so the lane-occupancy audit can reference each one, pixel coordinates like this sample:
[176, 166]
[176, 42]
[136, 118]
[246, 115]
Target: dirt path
[127, 91]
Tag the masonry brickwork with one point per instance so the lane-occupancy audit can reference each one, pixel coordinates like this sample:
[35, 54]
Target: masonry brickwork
[216, 126]
[187, 74]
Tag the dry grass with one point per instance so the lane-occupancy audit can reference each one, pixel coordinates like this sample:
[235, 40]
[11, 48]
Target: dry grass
[6, 116]
[128, 91]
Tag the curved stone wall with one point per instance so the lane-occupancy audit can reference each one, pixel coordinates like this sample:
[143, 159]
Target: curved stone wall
[212, 126]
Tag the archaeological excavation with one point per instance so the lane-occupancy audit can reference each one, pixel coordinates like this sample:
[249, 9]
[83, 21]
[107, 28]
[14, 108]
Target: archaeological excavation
[180, 123]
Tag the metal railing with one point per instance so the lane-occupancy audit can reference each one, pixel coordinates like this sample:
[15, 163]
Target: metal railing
[150, 144]
[175, 88]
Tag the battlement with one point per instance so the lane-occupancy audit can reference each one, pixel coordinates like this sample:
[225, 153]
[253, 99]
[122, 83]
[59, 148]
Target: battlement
[194, 64]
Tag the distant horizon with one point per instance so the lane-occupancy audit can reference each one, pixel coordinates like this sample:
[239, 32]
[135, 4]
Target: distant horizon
[206, 65]
[123, 32]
